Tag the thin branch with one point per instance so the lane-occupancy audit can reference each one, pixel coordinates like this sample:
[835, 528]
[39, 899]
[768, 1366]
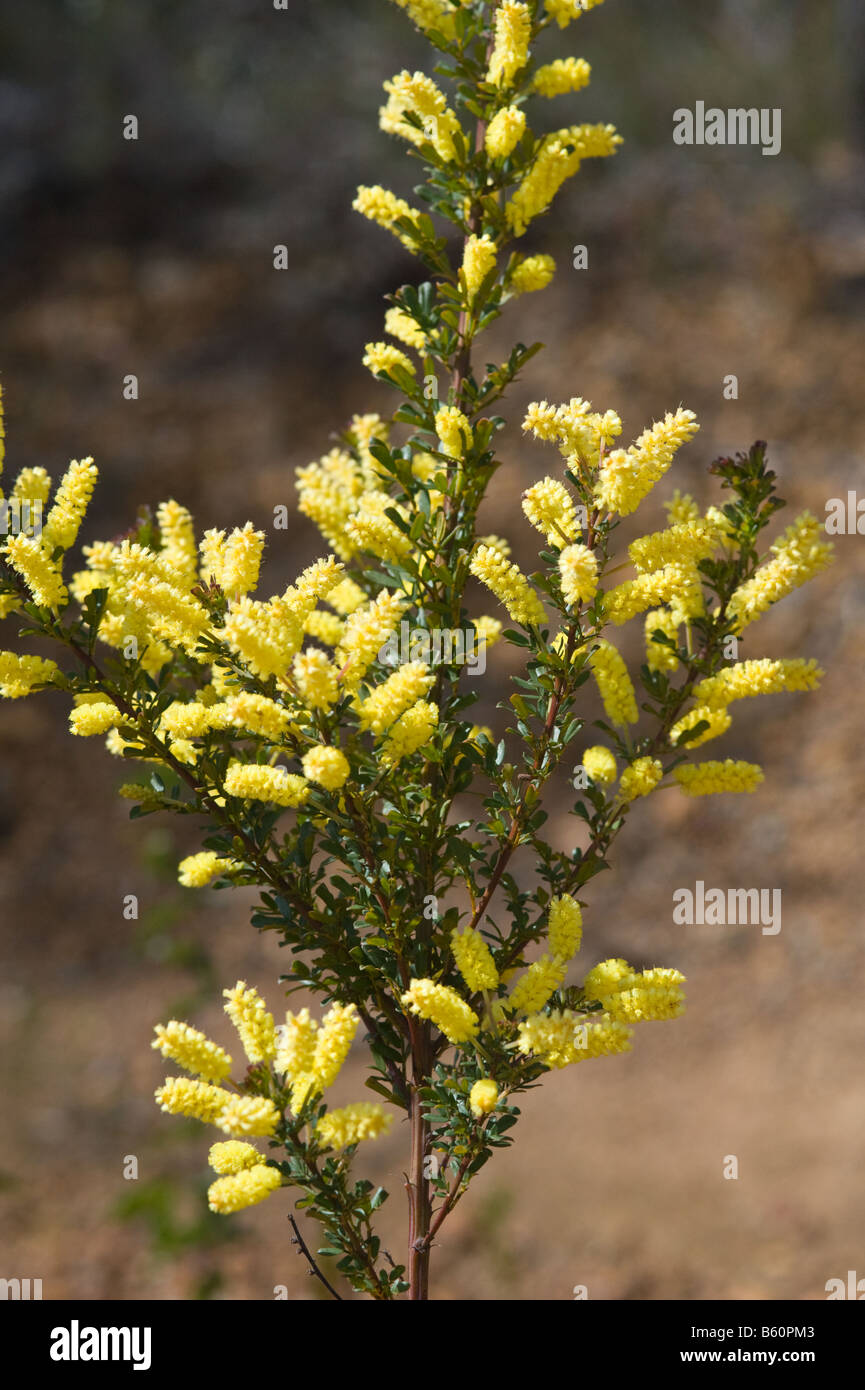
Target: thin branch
[297, 1239]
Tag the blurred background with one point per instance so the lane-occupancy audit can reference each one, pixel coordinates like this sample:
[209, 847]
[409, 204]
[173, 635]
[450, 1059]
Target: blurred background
[155, 257]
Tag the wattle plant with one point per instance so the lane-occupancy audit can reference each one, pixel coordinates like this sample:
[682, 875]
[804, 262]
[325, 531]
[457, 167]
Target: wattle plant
[324, 736]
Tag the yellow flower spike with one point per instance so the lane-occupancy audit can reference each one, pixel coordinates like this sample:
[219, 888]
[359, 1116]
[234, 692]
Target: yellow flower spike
[407, 684]
[255, 1026]
[19, 675]
[244, 1189]
[760, 677]
[562, 76]
[402, 326]
[429, 15]
[316, 678]
[333, 1042]
[483, 1097]
[178, 541]
[94, 717]
[454, 431]
[411, 732]
[550, 508]
[658, 656]
[40, 573]
[536, 984]
[533, 273]
[474, 960]
[328, 767]
[479, 258]
[369, 529]
[509, 585]
[578, 572]
[626, 477]
[192, 1050]
[799, 555]
[614, 684]
[553, 165]
[381, 206]
[199, 870]
[600, 764]
[562, 1038]
[346, 597]
[383, 357]
[510, 52]
[640, 778]
[233, 1156]
[339, 1129]
[295, 1054]
[443, 1007]
[684, 543]
[248, 1115]
[198, 1100]
[718, 721]
[564, 927]
[417, 95]
[563, 11]
[706, 779]
[70, 504]
[254, 782]
[504, 132]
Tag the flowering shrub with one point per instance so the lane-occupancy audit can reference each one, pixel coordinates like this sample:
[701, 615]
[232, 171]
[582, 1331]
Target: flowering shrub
[337, 784]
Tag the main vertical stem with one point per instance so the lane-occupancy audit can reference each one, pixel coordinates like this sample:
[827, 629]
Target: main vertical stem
[420, 1204]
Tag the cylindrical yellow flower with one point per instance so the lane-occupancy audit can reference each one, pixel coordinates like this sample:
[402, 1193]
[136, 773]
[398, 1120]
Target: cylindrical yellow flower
[561, 1038]
[704, 779]
[383, 357]
[385, 208]
[578, 571]
[483, 1096]
[255, 782]
[443, 1007]
[233, 1156]
[316, 678]
[509, 585]
[626, 477]
[39, 572]
[411, 732]
[380, 710]
[600, 764]
[454, 431]
[658, 656]
[564, 75]
[550, 508]
[640, 778]
[504, 131]
[474, 960]
[20, 674]
[366, 631]
[296, 1050]
[614, 684]
[718, 721]
[94, 716]
[244, 1189]
[761, 677]
[329, 767]
[510, 53]
[564, 927]
[192, 1050]
[479, 258]
[401, 325]
[333, 1042]
[339, 1129]
[70, 503]
[197, 1099]
[536, 984]
[252, 1115]
[255, 1026]
[532, 273]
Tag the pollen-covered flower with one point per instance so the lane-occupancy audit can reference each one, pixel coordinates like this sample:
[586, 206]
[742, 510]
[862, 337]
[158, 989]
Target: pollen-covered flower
[233, 562]
[255, 1027]
[339, 1129]
[550, 508]
[20, 674]
[474, 960]
[198, 1100]
[443, 1007]
[483, 1097]
[652, 995]
[509, 585]
[192, 719]
[561, 1038]
[532, 273]
[479, 258]
[718, 721]
[454, 431]
[177, 534]
[564, 75]
[316, 678]
[510, 53]
[504, 131]
[256, 1116]
[192, 1050]
[407, 684]
[411, 732]
[332, 1043]
[564, 927]
[245, 1189]
[96, 715]
[536, 984]
[383, 357]
[578, 572]
[328, 767]
[641, 777]
[381, 206]
[256, 782]
[672, 584]
[684, 543]
[614, 684]
[430, 15]
[660, 657]
[799, 555]
[346, 597]
[370, 529]
[600, 764]
[70, 503]
[627, 476]
[40, 573]
[295, 1054]
[255, 714]
[761, 677]
[703, 779]
[233, 1156]
[198, 870]
[401, 325]
[552, 166]
[416, 95]
[366, 632]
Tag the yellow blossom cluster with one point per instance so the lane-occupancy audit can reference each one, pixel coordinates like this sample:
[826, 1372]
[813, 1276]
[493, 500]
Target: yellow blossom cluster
[509, 585]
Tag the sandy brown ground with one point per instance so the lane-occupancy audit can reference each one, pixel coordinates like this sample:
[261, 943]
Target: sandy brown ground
[616, 1179]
